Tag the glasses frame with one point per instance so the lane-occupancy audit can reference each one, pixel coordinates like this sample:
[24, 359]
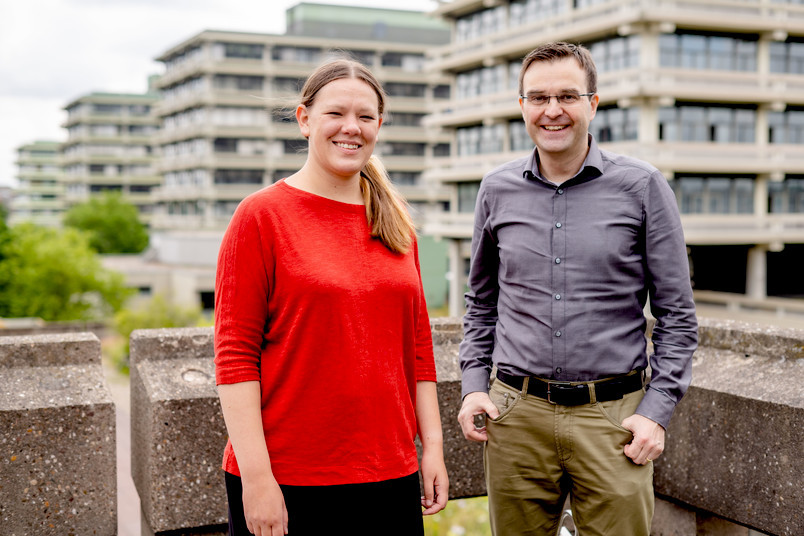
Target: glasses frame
[557, 97]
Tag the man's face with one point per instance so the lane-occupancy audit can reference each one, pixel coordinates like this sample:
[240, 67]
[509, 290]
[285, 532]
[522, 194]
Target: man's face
[558, 130]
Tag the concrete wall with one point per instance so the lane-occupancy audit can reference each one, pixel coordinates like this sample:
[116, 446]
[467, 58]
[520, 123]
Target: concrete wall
[731, 462]
[57, 438]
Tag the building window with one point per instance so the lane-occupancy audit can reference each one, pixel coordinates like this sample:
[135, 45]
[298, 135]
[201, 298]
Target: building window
[441, 92]
[366, 57]
[616, 53]
[705, 51]
[480, 139]
[296, 54]
[441, 149]
[242, 50]
[615, 124]
[404, 119]
[406, 62]
[139, 110]
[787, 126]
[294, 146]
[482, 23]
[238, 176]
[719, 124]
[406, 178]
[467, 196]
[482, 81]
[787, 196]
[787, 57]
[98, 188]
[239, 116]
[107, 109]
[287, 85]
[238, 82]
[400, 89]
[714, 194]
[520, 139]
[280, 174]
[241, 146]
[399, 148]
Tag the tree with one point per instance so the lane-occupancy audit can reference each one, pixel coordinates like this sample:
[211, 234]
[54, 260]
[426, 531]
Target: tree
[55, 275]
[112, 223]
[155, 313]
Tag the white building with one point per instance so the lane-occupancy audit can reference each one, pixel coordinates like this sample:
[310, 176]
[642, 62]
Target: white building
[709, 91]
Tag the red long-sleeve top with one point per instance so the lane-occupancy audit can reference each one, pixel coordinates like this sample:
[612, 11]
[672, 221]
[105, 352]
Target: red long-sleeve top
[334, 326]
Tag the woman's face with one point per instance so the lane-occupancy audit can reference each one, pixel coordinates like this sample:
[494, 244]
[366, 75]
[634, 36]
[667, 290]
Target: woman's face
[341, 126]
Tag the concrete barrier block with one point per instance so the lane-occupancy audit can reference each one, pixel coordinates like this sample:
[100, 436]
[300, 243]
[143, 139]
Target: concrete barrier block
[177, 430]
[57, 437]
[734, 444]
[464, 459]
[670, 519]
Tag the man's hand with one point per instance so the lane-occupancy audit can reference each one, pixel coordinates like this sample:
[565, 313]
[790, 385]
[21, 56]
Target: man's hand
[648, 442]
[475, 404]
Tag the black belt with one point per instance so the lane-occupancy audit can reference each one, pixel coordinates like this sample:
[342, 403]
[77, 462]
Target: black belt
[578, 393]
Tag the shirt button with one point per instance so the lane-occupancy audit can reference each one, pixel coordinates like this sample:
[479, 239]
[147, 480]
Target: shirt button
[558, 334]
[558, 370]
[558, 260]
[560, 191]
[558, 225]
[558, 296]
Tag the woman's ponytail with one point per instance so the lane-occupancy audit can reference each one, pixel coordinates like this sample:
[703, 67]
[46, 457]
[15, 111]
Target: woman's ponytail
[385, 210]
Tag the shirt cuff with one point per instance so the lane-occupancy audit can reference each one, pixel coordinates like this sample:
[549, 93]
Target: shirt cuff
[657, 407]
[474, 380]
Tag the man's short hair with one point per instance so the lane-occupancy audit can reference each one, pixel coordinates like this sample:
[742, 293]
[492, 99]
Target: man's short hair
[551, 52]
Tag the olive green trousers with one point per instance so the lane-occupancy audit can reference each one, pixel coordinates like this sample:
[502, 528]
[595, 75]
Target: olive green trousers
[539, 453]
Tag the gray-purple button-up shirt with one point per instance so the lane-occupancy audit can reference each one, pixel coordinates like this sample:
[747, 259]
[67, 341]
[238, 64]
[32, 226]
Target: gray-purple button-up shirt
[560, 275]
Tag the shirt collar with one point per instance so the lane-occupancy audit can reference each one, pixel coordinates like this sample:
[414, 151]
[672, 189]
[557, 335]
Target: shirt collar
[591, 168]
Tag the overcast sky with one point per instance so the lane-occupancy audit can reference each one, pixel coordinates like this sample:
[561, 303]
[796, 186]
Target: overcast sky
[54, 51]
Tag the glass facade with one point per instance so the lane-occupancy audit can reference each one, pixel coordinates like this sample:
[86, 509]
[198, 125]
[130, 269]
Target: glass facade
[787, 126]
[710, 52]
[481, 139]
[707, 123]
[787, 196]
[616, 53]
[787, 57]
[520, 139]
[714, 194]
[615, 124]
[467, 196]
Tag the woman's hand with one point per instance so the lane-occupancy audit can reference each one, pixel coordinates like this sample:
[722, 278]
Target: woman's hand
[264, 506]
[435, 481]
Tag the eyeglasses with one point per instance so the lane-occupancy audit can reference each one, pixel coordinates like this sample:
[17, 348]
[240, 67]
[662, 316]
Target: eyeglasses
[567, 99]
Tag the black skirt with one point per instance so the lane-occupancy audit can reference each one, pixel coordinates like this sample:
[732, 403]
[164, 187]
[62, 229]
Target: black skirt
[391, 507]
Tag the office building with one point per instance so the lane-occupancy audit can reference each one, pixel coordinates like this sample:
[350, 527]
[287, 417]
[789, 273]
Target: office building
[109, 148]
[227, 108]
[227, 129]
[39, 195]
[710, 92]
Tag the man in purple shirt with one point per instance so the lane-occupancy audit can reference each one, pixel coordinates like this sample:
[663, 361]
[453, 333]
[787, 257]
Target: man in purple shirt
[568, 245]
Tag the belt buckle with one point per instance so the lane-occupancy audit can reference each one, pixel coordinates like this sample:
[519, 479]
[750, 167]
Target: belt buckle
[558, 385]
[565, 386]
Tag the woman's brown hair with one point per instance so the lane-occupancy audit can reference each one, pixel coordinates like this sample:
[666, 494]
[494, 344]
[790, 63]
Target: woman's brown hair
[386, 211]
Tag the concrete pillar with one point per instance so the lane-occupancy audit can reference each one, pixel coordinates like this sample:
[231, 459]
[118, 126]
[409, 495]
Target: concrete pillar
[456, 280]
[756, 284]
[58, 471]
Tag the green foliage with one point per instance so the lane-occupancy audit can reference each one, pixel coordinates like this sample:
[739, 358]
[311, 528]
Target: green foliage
[461, 517]
[113, 224]
[155, 313]
[54, 275]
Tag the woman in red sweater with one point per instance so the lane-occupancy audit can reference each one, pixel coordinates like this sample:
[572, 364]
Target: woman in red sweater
[323, 353]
